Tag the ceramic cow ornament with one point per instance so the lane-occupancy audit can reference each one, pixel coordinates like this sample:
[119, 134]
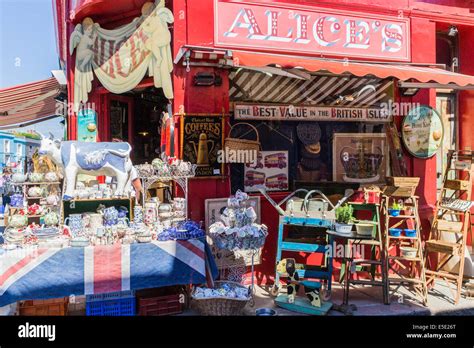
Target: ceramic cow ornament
[104, 158]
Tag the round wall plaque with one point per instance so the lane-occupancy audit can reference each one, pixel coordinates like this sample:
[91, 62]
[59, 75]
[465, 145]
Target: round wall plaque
[422, 131]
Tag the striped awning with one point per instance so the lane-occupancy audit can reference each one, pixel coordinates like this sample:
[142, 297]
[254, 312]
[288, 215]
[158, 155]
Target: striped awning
[318, 89]
[29, 102]
[402, 72]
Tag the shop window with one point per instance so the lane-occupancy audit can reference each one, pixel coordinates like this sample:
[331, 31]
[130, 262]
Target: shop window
[6, 146]
[310, 144]
[447, 48]
[19, 151]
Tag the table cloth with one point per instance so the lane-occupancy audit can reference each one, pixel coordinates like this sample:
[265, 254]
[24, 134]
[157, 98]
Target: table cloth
[34, 273]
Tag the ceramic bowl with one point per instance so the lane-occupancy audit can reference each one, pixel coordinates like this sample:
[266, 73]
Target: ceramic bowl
[265, 312]
[395, 232]
[394, 212]
[410, 233]
[408, 252]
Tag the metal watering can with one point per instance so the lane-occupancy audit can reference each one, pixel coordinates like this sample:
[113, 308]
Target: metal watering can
[310, 207]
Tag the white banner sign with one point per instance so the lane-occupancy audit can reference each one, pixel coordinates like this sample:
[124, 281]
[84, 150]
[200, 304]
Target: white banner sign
[308, 113]
[120, 58]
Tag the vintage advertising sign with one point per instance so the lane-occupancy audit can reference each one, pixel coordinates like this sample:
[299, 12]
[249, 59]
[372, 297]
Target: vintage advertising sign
[243, 111]
[360, 158]
[311, 31]
[269, 171]
[201, 143]
[225, 258]
[120, 58]
[422, 132]
[87, 125]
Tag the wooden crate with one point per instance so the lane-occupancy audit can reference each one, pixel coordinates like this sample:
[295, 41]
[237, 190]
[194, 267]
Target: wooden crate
[51, 307]
[399, 191]
[456, 184]
[440, 246]
[403, 181]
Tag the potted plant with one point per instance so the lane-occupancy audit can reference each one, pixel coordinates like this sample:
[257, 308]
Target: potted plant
[395, 209]
[344, 219]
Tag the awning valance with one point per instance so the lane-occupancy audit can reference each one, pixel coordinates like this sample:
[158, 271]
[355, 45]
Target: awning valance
[403, 72]
[31, 102]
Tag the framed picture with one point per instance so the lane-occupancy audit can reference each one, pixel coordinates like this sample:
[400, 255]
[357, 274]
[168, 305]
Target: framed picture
[269, 171]
[360, 158]
[224, 258]
[202, 138]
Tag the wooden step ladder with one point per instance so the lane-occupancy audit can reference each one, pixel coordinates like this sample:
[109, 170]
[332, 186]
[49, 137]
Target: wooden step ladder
[452, 215]
[406, 270]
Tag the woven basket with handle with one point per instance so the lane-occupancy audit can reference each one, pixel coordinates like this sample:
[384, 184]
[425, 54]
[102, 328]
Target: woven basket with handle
[219, 306]
[238, 144]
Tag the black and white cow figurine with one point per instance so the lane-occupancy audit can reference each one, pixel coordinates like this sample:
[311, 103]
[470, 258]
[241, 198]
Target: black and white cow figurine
[104, 158]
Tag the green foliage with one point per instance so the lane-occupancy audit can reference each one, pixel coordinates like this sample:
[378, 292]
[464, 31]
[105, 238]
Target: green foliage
[344, 214]
[27, 135]
[397, 206]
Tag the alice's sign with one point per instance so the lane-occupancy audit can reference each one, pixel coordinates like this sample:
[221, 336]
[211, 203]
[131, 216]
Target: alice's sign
[314, 31]
[281, 112]
[120, 58]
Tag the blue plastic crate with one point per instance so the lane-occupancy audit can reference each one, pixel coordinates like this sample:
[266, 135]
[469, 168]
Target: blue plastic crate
[121, 303]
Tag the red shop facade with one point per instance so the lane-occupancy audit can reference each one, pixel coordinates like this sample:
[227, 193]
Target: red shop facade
[235, 58]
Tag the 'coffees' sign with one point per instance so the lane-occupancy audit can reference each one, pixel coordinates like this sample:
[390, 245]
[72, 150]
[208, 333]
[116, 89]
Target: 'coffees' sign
[201, 139]
[317, 31]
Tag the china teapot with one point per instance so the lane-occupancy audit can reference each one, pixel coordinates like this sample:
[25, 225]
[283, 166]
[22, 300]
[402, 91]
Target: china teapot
[18, 221]
[36, 177]
[35, 191]
[51, 218]
[52, 199]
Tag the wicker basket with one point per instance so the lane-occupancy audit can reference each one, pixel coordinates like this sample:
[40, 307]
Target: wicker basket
[220, 306]
[237, 144]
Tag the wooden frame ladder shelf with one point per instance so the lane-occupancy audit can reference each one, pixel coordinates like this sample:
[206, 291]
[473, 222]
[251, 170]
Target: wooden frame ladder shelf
[406, 269]
[452, 222]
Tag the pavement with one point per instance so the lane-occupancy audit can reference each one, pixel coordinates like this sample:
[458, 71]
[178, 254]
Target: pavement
[368, 301]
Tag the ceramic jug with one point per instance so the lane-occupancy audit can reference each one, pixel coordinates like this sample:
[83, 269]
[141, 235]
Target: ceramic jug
[110, 216]
[75, 224]
[151, 213]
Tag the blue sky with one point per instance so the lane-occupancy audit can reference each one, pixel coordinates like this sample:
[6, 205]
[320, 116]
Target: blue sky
[28, 43]
[28, 46]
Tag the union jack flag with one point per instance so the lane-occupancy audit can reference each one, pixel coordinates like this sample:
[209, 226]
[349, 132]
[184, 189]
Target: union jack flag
[33, 273]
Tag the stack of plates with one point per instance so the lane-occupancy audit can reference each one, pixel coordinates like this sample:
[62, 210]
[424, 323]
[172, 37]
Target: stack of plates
[14, 236]
[46, 233]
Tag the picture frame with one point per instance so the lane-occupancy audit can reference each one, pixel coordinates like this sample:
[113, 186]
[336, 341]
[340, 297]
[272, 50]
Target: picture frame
[269, 171]
[224, 258]
[360, 158]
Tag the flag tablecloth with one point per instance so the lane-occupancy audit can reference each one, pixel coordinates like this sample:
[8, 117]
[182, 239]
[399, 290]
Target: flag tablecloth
[32, 273]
